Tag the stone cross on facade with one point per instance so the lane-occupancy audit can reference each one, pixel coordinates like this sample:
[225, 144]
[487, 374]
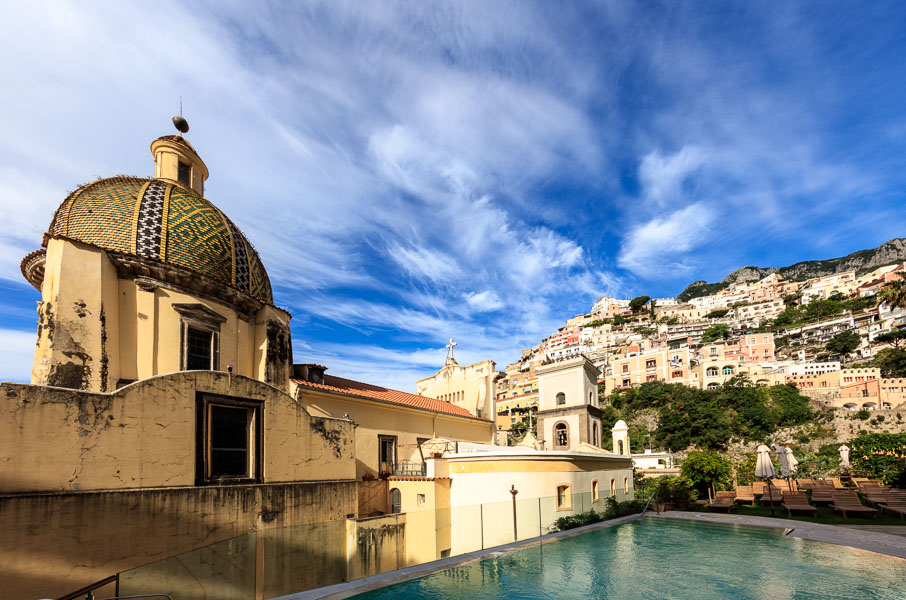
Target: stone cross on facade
[450, 347]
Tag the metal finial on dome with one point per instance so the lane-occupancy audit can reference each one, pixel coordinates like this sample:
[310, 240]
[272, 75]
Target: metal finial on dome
[179, 122]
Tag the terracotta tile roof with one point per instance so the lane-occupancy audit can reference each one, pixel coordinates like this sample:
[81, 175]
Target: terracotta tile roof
[375, 392]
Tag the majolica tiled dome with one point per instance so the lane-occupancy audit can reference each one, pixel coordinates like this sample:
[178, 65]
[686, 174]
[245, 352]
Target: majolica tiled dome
[161, 220]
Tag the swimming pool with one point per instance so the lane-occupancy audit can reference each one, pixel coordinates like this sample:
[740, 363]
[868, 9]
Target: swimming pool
[658, 558]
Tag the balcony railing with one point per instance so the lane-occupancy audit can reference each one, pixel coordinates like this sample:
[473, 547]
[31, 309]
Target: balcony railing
[410, 469]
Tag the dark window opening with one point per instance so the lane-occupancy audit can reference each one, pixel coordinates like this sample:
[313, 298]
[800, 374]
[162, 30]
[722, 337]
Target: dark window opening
[230, 432]
[184, 174]
[387, 454]
[198, 350]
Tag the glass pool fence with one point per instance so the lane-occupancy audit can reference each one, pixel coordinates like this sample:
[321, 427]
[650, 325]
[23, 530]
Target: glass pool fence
[272, 562]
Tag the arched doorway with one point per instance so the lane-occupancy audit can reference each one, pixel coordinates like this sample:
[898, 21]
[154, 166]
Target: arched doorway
[396, 501]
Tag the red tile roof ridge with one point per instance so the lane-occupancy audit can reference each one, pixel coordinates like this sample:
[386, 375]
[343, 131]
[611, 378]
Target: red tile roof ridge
[375, 392]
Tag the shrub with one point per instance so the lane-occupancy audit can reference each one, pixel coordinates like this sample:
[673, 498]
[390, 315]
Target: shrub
[862, 415]
[879, 455]
[706, 468]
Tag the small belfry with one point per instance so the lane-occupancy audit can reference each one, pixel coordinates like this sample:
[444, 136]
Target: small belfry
[140, 277]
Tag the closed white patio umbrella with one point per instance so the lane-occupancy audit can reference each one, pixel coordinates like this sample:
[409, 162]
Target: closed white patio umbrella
[844, 457]
[764, 469]
[784, 461]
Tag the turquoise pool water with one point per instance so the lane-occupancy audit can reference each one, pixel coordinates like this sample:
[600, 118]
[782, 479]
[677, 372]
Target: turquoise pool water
[669, 559]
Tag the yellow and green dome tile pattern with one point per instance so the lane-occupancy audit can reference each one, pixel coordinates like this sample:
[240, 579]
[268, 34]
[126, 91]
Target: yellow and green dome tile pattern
[160, 220]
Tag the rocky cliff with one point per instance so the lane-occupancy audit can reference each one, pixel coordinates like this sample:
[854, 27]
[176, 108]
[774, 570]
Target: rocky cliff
[862, 261]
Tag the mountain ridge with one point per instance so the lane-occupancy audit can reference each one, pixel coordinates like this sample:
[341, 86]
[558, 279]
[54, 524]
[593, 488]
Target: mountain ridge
[861, 261]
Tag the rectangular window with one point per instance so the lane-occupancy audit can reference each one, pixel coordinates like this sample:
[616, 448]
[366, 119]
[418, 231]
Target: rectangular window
[229, 440]
[564, 499]
[184, 174]
[387, 453]
[650, 364]
[420, 499]
[651, 378]
[198, 349]
[625, 368]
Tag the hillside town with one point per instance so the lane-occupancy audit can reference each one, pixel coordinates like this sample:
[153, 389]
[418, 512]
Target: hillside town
[813, 333]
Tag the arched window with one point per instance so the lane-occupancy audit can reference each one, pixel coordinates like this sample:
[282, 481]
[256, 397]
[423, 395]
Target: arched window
[712, 372]
[591, 398]
[395, 501]
[713, 386]
[595, 495]
[561, 435]
[561, 398]
[620, 447]
[613, 487]
[594, 433]
[564, 497]
[728, 370]
[625, 485]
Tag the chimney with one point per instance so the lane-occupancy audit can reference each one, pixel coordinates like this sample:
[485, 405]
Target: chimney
[309, 372]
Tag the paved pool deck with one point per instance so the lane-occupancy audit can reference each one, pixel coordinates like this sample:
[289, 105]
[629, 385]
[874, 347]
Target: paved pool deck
[871, 538]
[864, 537]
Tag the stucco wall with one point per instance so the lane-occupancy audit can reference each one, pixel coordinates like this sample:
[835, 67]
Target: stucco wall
[374, 418]
[144, 435]
[472, 387]
[56, 543]
[95, 329]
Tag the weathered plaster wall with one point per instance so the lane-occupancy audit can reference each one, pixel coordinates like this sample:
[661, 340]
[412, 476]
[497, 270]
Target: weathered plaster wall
[376, 545]
[95, 329]
[56, 543]
[144, 435]
[375, 418]
[75, 345]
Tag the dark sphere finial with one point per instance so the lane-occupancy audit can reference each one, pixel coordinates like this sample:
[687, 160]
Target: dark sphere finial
[181, 124]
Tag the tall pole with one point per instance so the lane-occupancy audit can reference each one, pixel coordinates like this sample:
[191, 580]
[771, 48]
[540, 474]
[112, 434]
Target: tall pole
[514, 491]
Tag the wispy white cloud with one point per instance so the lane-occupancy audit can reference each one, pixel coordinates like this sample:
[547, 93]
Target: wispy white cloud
[656, 248]
[16, 353]
[486, 301]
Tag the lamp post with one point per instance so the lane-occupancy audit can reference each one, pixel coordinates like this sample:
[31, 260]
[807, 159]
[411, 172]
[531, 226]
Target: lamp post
[514, 491]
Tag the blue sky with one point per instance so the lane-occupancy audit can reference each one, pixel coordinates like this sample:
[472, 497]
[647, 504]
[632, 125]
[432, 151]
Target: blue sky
[412, 172]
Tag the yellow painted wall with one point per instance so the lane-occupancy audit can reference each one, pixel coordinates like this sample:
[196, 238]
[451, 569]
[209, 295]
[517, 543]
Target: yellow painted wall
[375, 418]
[472, 387]
[144, 435]
[57, 543]
[96, 328]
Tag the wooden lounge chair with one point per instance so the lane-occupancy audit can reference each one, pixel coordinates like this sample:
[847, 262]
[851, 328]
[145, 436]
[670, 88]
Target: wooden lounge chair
[894, 502]
[797, 501]
[822, 494]
[745, 493]
[805, 484]
[838, 484]
[848, 502]
[874, 494]
[775, 496]
[759, 488]
[723, 500]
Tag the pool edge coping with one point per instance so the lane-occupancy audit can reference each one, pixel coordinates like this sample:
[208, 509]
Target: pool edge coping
[372, 582]
[839, 535]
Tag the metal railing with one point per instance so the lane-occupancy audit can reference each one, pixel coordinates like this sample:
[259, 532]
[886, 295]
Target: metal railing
[647, 504]
[410, 469]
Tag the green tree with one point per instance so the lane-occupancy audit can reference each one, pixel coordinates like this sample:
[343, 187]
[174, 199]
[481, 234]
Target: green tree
[619, 320]
[718, 313]
[844, 342]
[892, 362]
[894, 293]
[636, 304]
[720, 331]
[895, 337]
[705, 468]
